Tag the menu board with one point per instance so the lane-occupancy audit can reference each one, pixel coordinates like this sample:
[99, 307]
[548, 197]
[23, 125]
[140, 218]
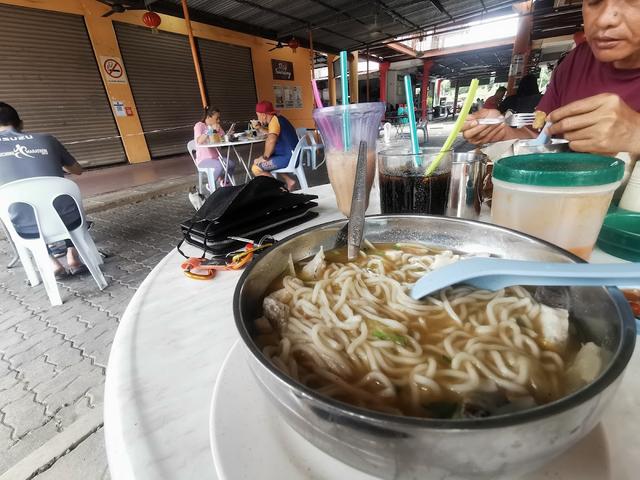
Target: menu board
[287, 96]
[281, 69]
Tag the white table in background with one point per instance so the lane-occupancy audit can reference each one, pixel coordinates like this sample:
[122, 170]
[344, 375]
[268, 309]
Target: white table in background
[231, 146]
[167, 354]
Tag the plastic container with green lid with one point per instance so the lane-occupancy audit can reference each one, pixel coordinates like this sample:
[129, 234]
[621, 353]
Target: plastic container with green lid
[559, 197]
[620, 235]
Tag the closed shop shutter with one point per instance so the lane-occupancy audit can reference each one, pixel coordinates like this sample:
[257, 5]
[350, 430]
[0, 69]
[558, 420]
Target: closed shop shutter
[48, 72]
[164, 85]
[228, 75]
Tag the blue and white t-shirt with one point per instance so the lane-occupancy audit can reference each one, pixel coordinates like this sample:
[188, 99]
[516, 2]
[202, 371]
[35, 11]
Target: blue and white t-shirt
[27, 155]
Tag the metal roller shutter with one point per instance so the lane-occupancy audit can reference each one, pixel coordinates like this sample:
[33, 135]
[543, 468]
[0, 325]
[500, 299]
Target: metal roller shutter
[164, 85]
[48, 72]
[228, 75]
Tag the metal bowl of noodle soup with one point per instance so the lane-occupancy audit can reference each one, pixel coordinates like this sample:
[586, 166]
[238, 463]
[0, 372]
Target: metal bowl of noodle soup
[405, 447]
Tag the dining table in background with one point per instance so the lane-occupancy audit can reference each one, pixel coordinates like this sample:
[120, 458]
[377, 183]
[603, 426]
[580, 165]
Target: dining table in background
[169, 350]
[231, 146]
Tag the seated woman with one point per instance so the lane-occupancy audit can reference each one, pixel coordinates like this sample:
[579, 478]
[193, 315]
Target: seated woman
[210, 157]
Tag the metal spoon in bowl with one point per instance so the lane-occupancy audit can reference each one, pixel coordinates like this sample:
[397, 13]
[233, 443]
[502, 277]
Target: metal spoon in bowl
[497, 273]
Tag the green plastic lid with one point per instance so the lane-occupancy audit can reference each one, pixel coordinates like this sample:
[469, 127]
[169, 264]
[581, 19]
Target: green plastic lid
[620, 235]
[559, 169]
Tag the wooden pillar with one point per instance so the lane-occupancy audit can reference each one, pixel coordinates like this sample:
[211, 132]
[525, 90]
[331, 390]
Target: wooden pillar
[331, 79]
[384, 69]
[424, 89]
[521, 46]
[353, 78]
[194, 54]
[105, 45]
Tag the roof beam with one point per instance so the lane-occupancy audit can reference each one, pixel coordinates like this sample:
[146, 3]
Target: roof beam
[396, 16]
[469, 17]
[294, 18]
[443, 52]
[441, 9]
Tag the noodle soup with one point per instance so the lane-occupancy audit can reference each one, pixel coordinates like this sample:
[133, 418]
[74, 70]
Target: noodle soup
[350, 331]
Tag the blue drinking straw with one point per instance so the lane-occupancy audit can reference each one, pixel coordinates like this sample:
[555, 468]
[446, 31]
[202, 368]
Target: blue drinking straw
[344, 83]
[411, 112]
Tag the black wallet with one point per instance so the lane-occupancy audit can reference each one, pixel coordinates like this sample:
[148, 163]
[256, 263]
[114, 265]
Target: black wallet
[253, 210]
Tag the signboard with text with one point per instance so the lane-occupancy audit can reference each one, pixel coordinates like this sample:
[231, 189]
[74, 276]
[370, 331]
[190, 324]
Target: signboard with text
[282, 70]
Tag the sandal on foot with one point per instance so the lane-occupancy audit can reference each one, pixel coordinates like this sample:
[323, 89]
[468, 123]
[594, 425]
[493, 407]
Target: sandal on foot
[79, 269]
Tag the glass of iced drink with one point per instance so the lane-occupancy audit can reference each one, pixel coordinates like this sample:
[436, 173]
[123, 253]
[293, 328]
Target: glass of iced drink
[362, 123]
[405, 186]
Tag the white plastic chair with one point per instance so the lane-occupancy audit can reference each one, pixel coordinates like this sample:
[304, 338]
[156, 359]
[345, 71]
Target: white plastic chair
[203, 173]
[40, 193]
[295, 166]
[310, 148]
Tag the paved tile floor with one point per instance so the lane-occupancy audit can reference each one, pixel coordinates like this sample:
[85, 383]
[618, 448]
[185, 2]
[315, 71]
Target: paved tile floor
[53, 360]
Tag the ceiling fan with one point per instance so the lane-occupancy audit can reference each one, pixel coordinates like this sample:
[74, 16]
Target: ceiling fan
[277, 45]
[121, 6]
[292, 43]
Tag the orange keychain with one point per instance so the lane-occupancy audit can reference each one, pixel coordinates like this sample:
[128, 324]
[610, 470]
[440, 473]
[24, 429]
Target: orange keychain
[199, 268]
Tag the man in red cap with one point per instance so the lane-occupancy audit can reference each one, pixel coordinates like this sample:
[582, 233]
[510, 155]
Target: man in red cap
[281, 141]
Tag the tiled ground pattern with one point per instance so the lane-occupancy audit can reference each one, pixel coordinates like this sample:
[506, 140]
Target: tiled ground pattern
[53, 360]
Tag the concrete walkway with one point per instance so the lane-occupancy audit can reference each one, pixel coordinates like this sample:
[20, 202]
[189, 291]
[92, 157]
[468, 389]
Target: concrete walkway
[53, 360]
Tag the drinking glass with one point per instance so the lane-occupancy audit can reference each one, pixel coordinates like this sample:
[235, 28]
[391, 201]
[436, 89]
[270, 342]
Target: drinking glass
[405, 186]
[358, 121]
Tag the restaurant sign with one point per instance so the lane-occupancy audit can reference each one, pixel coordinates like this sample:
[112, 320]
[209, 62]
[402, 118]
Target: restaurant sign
[282, 70]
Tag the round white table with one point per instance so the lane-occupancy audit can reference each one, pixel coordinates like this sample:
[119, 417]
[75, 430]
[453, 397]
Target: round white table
[232, 146]
[168, 351]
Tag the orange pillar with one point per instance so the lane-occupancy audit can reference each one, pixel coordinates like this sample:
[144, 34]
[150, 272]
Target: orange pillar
[522, 45]
[331, 80]
[384, 68]
[424, 89]
[194, 54]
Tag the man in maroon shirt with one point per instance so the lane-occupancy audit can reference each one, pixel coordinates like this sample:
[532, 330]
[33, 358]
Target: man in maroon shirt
[593, 99]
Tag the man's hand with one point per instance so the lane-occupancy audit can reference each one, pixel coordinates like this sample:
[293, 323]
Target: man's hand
[481, 134]
[600, 124]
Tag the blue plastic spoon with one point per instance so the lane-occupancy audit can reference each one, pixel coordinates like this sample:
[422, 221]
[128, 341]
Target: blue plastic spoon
[497, 273]
[543, 137]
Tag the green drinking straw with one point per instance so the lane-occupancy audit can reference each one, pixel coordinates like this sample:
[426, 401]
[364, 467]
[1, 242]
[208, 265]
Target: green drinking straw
[411, 112]
[456, 128]
[344, 83]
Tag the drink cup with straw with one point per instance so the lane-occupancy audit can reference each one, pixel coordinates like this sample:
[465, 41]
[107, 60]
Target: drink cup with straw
[343, 127]
[405, 186]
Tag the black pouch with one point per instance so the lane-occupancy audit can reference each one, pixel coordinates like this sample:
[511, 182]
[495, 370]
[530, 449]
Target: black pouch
[260, 207]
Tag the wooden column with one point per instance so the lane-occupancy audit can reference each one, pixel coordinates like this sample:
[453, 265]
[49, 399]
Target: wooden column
[331, 79]
[353, 78]
[384, 69]
[424, 89]
[521, 46]
[194, 54]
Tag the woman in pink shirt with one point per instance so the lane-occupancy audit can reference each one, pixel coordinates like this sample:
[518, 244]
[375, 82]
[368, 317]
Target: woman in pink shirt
[593, 99]
[210, 157]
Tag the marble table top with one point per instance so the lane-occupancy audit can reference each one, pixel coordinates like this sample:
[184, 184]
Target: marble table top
[168, 351]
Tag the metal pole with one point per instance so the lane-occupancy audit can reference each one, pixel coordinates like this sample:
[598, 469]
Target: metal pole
[368, 99]
[194, 54]
[313, 56]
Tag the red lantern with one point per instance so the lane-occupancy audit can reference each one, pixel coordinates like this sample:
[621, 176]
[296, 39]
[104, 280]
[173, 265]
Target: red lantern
[293, 44]
[151, 20]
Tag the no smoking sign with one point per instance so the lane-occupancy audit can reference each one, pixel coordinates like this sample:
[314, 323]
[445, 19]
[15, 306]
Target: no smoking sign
[113, 70]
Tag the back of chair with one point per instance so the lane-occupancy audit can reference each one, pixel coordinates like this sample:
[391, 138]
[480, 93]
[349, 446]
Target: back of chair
[295, 154]
[301, 132]
[39, 193]
[191, 148]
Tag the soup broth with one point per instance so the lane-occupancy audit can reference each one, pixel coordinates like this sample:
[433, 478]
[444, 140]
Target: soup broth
[350, 331]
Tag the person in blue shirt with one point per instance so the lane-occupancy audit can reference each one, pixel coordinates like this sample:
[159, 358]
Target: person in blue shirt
[279, 145]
